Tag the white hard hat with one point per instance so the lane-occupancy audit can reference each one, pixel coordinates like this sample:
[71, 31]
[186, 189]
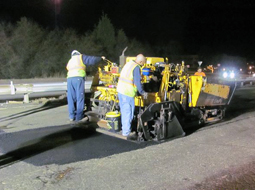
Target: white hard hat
[75, 52]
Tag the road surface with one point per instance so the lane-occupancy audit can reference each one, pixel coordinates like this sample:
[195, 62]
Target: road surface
[40, 149]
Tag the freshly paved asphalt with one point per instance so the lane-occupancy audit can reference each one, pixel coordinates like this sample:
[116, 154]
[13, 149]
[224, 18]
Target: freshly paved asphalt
[40, 149]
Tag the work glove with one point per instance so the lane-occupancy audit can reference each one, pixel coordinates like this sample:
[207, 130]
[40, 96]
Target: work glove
[145, 95]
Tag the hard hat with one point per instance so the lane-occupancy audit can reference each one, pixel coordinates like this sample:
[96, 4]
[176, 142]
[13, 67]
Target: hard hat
[75, 52]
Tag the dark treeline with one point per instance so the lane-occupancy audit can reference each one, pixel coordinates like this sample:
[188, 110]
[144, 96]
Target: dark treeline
[27, 50]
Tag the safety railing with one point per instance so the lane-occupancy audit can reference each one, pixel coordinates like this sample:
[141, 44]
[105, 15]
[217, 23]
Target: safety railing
[26, 91]
[246, 81]
[36, 90]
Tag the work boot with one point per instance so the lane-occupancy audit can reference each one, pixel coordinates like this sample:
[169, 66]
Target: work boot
[84, 120]
[82, 123]
[132, 136]
[71, 121]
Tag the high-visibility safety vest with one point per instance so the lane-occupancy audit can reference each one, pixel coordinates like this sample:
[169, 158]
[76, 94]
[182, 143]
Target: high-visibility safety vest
[200, 74]
[126, 84]
[76, 67]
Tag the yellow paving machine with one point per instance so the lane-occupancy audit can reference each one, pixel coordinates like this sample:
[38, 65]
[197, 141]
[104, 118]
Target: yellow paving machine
[175, 99]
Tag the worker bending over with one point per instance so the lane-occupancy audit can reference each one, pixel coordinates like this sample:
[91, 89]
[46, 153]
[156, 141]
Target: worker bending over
[128, 85]
[76, 68]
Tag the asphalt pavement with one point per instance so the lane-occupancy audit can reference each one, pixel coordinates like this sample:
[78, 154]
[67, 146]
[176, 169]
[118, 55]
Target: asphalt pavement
[213, 157]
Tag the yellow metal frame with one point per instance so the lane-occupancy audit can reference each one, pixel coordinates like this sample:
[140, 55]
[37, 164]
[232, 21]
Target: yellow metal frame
[194, 84]
[197, 84]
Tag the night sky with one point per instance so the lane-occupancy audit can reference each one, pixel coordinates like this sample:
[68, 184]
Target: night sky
[217, 26]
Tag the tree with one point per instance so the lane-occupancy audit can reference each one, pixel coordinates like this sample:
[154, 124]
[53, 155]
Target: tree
[28, 50]
[4, 51]
[25, 42]
[121, 42]
[104, 34]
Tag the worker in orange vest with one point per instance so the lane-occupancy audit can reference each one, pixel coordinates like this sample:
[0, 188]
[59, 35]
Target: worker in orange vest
[200, 72]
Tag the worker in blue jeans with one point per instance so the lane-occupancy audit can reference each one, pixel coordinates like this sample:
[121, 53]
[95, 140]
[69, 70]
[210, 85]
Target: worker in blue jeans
[128, 85]
[76, 74]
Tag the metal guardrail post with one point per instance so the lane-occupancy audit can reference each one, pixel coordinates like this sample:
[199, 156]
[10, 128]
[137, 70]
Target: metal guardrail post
[26, 98]
[13, 90]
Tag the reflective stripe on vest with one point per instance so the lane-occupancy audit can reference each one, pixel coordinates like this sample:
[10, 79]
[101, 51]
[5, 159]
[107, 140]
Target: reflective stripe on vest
[75, 67]
[126, 84]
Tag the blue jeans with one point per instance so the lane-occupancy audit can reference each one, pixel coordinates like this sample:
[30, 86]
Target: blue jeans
[127, 108]
[75, 97]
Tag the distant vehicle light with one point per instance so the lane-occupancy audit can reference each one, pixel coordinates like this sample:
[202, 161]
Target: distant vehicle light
[225, 75]
[253, 75]
[232, 75]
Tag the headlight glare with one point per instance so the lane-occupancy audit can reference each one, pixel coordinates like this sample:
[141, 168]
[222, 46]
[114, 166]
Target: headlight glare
[232, 75]
[225, 75]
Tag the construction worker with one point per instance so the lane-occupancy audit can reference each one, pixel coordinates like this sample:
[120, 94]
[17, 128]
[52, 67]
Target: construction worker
[76, 68]
[128, 85]
[200, 72]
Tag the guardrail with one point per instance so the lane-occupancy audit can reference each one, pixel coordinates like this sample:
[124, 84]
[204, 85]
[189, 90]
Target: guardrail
[248, 80]
[26, 91]
[36, 90]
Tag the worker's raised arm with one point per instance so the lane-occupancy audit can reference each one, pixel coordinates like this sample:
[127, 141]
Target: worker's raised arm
[91, 60]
